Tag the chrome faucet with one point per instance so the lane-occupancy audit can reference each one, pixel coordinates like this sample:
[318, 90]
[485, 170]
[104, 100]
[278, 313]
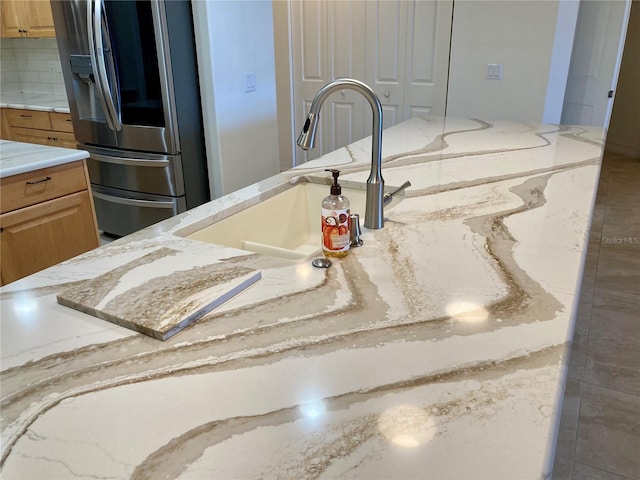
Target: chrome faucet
[373, 217]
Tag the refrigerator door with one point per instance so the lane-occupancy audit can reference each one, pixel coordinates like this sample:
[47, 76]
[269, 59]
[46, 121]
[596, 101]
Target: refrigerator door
[121, 212]
[116, 64]
[86, 97]
[135, 39]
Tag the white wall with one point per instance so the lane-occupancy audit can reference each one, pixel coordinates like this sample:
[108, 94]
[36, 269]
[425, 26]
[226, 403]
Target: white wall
[234, 38]
[520, 35]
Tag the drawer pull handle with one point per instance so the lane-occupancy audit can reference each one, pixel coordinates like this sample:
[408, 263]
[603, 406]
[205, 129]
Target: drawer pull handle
[25, 116]
[34, 182]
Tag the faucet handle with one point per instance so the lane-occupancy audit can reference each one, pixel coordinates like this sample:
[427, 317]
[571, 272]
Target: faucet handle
[386, 200]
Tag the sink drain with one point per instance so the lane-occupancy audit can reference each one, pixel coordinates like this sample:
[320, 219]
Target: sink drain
[321, 262]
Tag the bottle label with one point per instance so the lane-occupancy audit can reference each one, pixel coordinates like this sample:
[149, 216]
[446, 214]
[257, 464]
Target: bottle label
[336, 230]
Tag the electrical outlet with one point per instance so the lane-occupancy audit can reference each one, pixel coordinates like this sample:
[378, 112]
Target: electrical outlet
[52, 69]
[494, 71]
[249, 82]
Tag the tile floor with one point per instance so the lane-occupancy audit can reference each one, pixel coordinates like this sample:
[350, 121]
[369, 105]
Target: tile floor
[106, 238]
[599, 435]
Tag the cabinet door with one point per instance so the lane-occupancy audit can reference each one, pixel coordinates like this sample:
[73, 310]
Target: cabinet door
[40, 19]
[37, 237]
[27, 18]
[61, 122]
[12, 15]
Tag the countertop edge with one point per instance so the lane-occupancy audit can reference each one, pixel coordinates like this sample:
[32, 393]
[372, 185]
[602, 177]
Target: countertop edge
[40, 108]
[53, 156]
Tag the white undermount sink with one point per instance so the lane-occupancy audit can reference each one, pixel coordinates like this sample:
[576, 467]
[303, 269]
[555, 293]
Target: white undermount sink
[285, 225]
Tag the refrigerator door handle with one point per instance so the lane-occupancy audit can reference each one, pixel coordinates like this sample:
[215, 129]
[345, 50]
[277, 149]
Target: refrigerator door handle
[101, 67]
[92, 54]
[133, 202]
[134, 162]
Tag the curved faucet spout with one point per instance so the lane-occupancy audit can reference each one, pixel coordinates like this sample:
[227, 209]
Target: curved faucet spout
[373, 217]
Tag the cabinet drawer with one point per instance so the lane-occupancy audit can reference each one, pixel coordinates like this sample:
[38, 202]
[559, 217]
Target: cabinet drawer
[61, 122]
[31, 135]
[28, 119]
[38, 186]
[44, 137]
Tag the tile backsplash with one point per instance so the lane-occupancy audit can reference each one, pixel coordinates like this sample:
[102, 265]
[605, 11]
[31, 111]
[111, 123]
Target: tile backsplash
[30, 65]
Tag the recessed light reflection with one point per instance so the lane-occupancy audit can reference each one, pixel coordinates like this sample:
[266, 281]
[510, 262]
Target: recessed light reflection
[303, 271]
[468, 312]
[25, 305]
[313, 409]
[407, 426]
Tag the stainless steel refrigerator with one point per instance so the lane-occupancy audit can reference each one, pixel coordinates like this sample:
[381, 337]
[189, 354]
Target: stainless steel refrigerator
[131, 77]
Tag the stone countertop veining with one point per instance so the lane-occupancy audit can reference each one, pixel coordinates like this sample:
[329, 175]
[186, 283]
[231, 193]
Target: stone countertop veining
[438, 348]
[47, 102]
[19, 157]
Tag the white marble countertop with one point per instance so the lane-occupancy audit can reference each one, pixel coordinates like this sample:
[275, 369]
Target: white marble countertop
[47, 102]
[436, 349]
[19, 157]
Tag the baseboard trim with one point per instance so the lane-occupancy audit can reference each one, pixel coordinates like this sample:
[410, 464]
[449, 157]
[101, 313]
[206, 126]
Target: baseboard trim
[625, 150]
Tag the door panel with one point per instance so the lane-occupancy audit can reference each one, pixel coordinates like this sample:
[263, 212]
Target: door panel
[308, 20]
[346, 59]
[398, 47]
[596, 57]
[427, 58]
[386, 37]
[390, 115]
[328, 43]
[341, 123]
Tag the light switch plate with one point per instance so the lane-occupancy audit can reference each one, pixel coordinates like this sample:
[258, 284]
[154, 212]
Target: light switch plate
[494, 71]
[250, 82]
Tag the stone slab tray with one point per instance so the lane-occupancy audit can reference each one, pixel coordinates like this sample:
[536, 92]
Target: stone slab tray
[160, 293]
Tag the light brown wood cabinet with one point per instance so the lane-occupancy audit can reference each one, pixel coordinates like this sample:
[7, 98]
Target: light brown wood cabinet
[47, 216]
[26, 18]
[34, 126]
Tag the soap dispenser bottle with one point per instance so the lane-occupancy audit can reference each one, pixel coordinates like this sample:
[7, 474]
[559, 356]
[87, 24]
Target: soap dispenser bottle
[335, 221]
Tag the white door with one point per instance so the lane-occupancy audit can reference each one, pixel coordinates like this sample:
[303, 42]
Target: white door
[386, 46]
[595, 62]
[398, 47]
[408, 56]
[327, 43]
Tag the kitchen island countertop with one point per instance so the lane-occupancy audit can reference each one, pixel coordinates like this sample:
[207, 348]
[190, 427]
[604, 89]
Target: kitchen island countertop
[438, 349]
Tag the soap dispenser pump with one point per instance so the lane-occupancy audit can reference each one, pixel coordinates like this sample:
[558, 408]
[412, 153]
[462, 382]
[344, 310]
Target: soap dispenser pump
[336, 238]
